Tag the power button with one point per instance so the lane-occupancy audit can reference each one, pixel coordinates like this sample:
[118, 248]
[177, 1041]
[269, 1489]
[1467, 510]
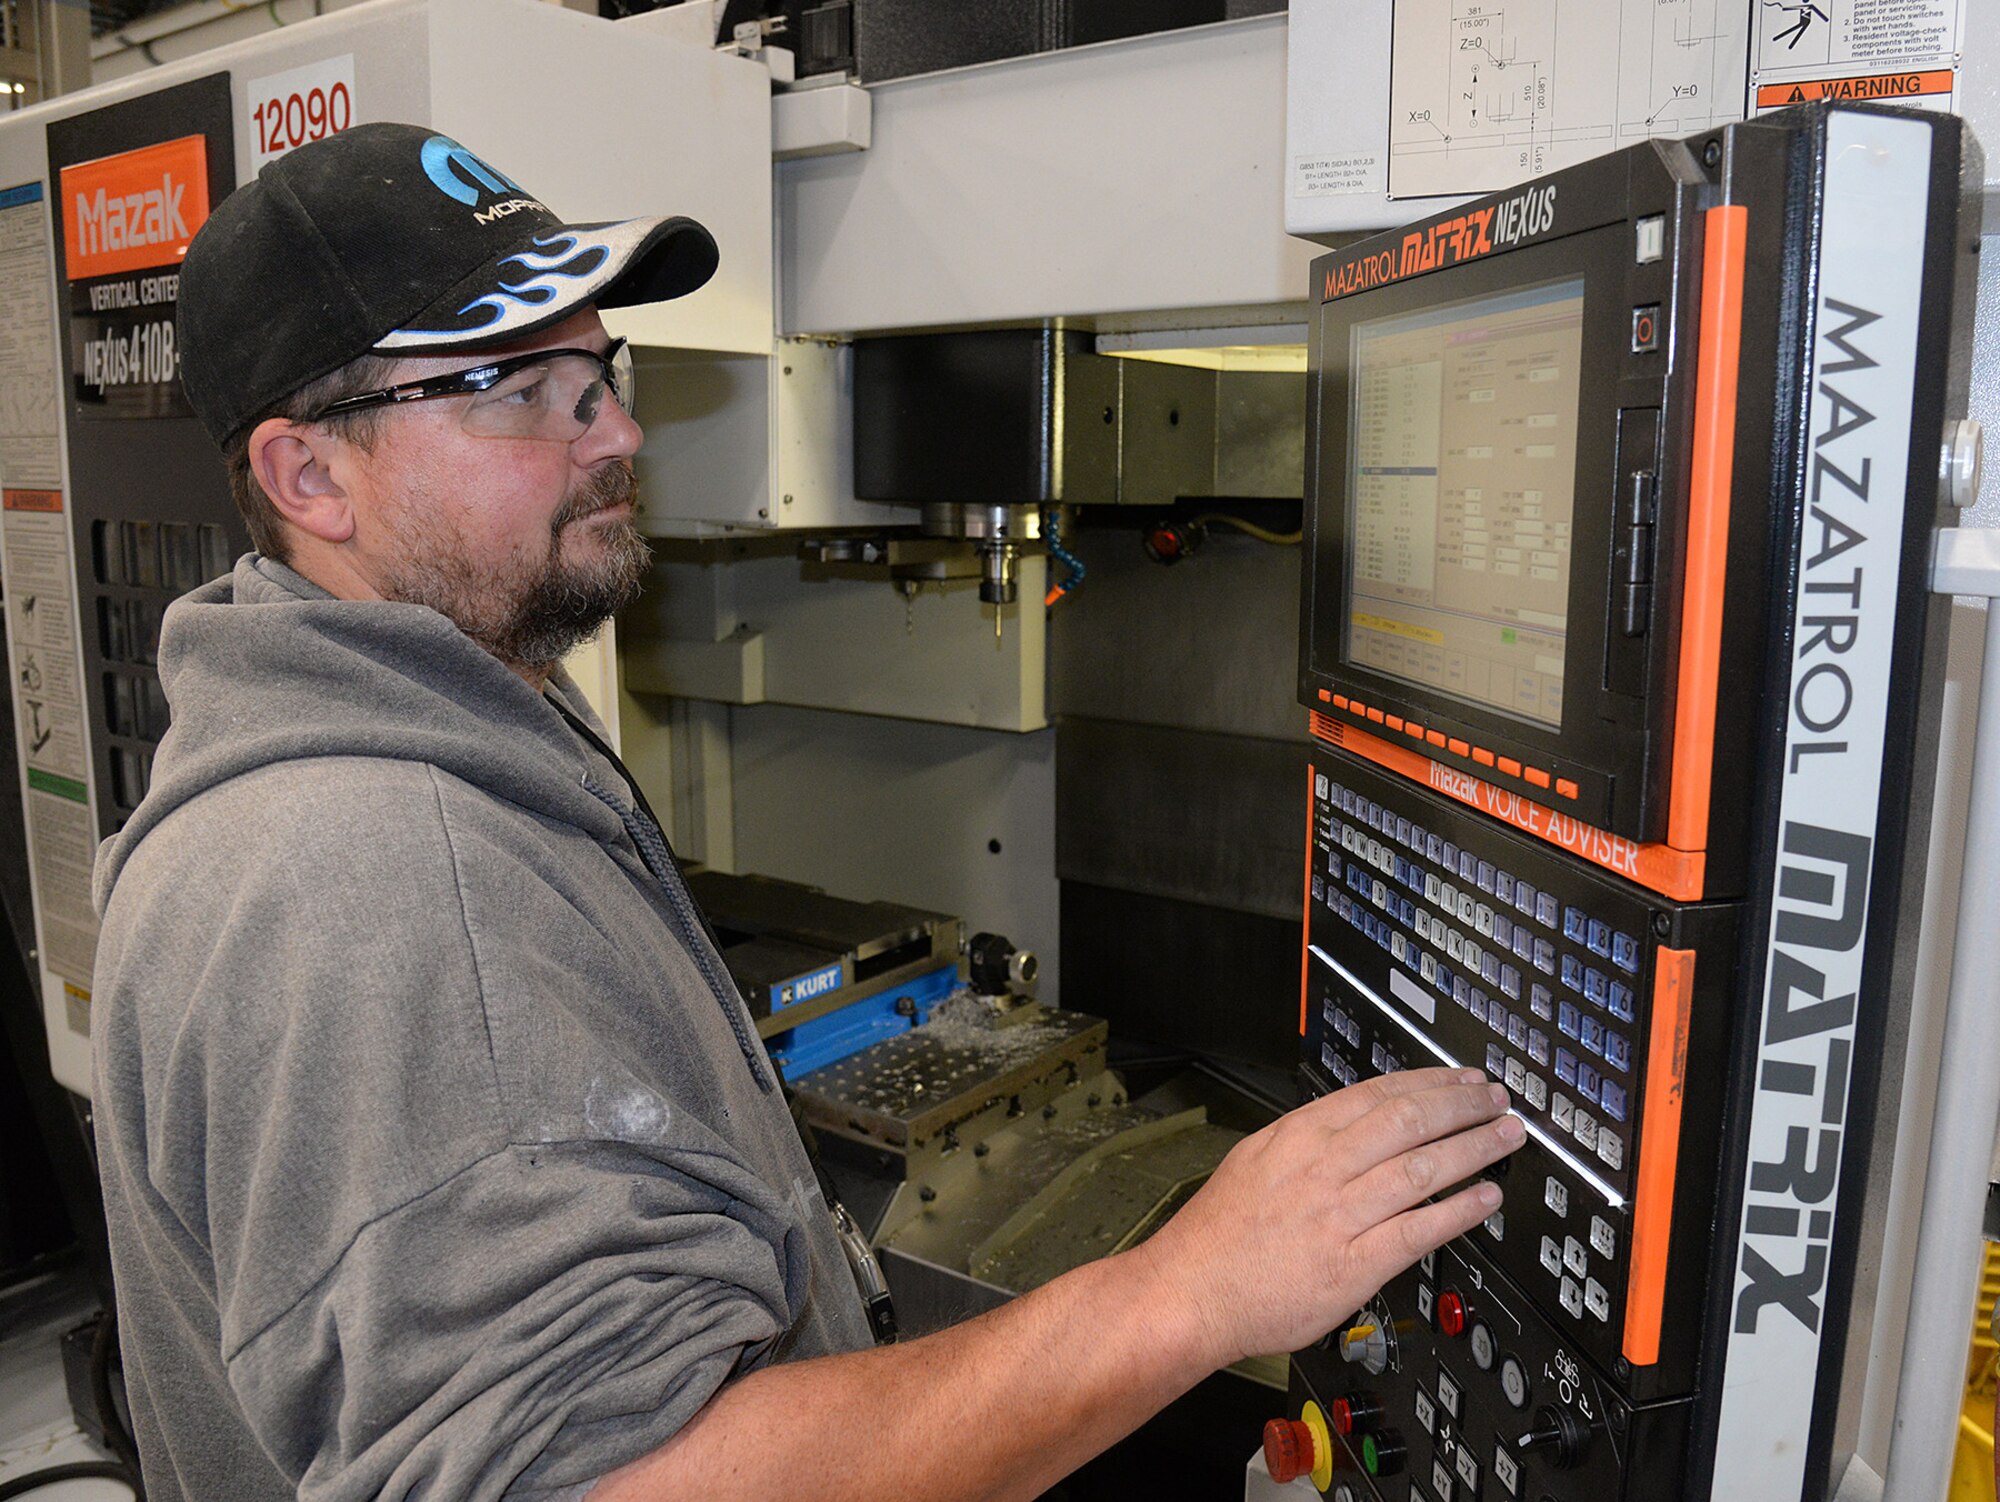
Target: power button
[1645, 328]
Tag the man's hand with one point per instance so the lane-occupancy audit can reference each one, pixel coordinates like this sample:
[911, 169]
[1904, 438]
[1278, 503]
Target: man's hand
[1304, 1221]
[1299, 1225]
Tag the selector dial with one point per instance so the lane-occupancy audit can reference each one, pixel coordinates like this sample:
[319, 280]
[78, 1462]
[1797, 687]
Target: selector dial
[1561, 1433]
[1366, 1344]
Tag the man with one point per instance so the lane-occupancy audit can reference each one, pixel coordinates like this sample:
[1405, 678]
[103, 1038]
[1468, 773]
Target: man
[440, 1155]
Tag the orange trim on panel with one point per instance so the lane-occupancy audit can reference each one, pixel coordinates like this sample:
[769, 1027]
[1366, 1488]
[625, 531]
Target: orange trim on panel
[1413, 729]
[1394, 721]
[1375, 715]
[1566, 789]
[1709, 477]
[1536, 775]
[1510, 766]
[1459, 747]
[1306, 912]
[1435, 737]
[1658, 868]
[1481, 755]
[1326, 696]
[1659, 1154]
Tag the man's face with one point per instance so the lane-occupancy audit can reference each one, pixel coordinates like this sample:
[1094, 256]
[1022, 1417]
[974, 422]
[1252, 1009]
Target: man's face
[528, 545]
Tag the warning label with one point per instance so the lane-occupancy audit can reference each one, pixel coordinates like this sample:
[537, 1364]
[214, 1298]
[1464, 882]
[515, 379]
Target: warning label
[1880, 86]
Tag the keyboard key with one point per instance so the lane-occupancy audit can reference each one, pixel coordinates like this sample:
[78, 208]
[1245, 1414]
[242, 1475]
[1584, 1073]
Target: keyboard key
[1565, 1066]
[1572, 972]
[1555, 1194]
[1427, 967]
[1433, 848]
[1596, 987]
[1611, 1096]
[1454, 943]
[1573, 924]
[1545, 957]
[1468, 866]
[1617, 1050]
[1552, 1257]
[1466, 907]
[1496, 1016]
[1398, 946]
[1625, 953]
[1524, 944]
[1593, 1035]
[1482, 919]
[1569, 1020]
[1517, 1030]
[1541, 1002]
[1537, 1092]
[1546, 908]
[1517, 1076]
[1450, 857]
[1489, 970]
[1476, 1004]
[1562, 1111]
[1538, 1045]
[1598, 937]
[1447, 899]
[1503, 931]
[1585, 1129]
[1576, 1257]
[1572, 1298]
[1597, 1299]
[1620, 1004]
[1524, 899]
[1402, 830]
[1496, 1060]
[1603, 1239]
[1610, 1148]
[1587, 1081]
[1483, 874]
[1510, 982]
[1461, 993]
[1503, 886]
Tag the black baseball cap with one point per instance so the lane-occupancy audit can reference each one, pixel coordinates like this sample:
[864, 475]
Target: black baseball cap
[396, 240]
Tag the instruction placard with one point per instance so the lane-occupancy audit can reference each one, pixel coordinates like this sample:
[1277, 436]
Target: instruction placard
[1487, 93]
[1876, 51]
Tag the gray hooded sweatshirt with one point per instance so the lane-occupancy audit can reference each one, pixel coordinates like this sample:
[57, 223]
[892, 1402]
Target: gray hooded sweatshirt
[440, 1157]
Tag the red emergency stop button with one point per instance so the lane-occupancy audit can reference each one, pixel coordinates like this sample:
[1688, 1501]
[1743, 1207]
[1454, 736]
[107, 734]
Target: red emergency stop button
[1451, 1313]
[1288, 1450]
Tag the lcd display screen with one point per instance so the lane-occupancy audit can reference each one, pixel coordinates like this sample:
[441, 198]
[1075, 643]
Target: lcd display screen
[1461, 484]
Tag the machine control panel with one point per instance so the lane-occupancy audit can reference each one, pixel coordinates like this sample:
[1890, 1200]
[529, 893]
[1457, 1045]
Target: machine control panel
[1576, 817]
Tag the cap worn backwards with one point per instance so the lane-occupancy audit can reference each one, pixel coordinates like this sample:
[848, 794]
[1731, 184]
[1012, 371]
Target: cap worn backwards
[395, 240]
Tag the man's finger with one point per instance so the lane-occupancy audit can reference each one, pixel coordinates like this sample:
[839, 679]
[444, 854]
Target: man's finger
[1338, 1111]
[1413, 1175]
[1405, 1121]
[1388, 1248]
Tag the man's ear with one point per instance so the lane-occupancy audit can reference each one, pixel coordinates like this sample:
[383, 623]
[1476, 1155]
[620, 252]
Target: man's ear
[293, 462]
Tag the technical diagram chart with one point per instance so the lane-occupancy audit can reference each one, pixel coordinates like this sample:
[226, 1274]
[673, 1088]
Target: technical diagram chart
[1484, 93]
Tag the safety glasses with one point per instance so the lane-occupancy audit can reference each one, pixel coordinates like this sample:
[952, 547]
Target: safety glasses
[552, 393]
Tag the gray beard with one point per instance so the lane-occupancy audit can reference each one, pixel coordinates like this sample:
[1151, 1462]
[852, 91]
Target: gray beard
[559, 605]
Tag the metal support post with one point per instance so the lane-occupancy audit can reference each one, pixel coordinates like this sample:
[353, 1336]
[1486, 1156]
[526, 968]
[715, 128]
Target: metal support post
[1945, 1287]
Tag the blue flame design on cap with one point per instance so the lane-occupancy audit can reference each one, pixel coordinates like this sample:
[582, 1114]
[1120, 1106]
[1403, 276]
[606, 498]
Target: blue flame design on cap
[571, 269]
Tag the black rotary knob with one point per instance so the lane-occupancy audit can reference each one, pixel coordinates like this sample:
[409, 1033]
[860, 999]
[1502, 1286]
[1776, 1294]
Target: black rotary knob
[1561, 1433]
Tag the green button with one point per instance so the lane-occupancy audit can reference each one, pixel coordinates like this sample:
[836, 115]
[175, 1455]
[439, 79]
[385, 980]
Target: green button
[1368, 1456]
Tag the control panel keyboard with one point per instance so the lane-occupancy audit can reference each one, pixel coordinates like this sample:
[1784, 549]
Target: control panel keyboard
[1437, 937]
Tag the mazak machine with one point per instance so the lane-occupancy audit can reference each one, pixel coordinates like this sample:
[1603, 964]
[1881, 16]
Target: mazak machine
[1622, 672]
